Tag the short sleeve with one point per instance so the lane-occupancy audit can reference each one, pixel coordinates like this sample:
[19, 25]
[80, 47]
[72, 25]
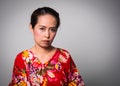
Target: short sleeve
[73, 75]
[19, 75]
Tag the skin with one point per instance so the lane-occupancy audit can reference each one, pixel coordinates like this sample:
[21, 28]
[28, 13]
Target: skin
[44, 33]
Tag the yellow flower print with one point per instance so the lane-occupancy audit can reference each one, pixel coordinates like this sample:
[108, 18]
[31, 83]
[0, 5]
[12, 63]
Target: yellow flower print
[25, 53]
[15, 85]
[37, 61]
[58, 66]
[23, 74]
[46, 63]
[22, 83]
[45, 82]
[72, 84]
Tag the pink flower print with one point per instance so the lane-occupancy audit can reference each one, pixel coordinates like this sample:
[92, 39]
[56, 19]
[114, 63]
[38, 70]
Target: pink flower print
[40, 78]
[62, 59]
[50, 74]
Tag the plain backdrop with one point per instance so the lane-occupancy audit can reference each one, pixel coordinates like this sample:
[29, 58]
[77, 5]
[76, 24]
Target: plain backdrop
[90, 31]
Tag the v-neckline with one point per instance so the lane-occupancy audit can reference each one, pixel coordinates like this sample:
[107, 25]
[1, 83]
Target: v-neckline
[52, 57]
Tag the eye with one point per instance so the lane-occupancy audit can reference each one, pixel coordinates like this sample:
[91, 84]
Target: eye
[53, 29]
[42, 28]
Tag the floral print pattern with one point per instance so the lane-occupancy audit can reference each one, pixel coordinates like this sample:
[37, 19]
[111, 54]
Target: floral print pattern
[60, 70]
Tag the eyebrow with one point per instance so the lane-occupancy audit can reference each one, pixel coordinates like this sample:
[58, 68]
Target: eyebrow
[42, 26]
[45, 26]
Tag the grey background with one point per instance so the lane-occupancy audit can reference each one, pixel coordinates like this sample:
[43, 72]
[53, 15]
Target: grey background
[90, 31]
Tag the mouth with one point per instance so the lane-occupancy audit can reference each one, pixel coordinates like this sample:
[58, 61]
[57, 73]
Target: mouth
[46, 41]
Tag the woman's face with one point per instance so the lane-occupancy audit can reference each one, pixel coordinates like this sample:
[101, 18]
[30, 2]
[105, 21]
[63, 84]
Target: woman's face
[45, 30]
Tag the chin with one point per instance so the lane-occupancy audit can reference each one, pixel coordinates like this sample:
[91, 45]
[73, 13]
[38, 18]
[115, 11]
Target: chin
[46, 46]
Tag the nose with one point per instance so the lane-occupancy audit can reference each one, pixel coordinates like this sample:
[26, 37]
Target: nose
[47, 34]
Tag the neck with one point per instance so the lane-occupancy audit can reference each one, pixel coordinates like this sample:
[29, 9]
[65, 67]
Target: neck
[43, 54]
[41, 50]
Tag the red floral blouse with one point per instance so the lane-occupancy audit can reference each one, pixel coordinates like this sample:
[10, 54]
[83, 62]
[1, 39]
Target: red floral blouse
[60, 70]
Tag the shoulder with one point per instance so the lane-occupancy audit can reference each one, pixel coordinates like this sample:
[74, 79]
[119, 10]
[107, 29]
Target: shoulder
[19, 62]
[64, 52]
[24, 54]
[64, 55]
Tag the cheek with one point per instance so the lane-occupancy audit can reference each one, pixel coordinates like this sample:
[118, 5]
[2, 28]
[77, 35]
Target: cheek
[37, 34]
[53, 35]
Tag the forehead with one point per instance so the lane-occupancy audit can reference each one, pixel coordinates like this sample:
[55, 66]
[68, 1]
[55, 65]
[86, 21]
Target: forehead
[47, 19]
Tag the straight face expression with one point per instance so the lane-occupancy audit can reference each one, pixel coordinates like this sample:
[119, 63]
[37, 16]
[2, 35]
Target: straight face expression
[45, 30]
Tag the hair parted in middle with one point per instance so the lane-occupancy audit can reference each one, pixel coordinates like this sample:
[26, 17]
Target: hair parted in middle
[44, 11]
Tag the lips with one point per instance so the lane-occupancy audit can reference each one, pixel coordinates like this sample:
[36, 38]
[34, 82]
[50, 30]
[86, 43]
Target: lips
[46, 41]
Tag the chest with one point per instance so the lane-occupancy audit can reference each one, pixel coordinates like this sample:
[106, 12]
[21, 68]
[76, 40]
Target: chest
[51, 73]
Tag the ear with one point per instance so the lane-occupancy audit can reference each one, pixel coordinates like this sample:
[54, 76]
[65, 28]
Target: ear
[31, 29]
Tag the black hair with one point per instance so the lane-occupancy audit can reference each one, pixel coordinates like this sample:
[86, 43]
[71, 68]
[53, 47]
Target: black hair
[43, 11]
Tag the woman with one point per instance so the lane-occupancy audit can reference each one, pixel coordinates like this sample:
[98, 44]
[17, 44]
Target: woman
[44, 64]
